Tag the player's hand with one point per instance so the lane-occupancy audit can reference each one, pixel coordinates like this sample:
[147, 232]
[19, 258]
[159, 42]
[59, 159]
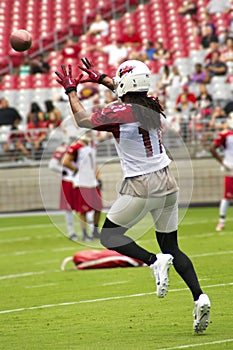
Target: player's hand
[93, 75]
[66, 79]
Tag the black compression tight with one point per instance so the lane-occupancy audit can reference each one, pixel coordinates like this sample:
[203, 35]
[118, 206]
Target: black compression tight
[112, 237]
[182, 264]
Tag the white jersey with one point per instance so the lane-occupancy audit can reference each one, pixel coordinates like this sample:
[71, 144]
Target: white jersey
[84, 158]
[225, 139]
[55, 164]
[140, 151]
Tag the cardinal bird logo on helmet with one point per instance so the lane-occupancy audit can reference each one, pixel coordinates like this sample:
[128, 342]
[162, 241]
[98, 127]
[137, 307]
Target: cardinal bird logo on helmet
[125, 70]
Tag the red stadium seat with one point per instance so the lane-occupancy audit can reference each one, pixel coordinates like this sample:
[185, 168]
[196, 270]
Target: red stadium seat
[9, 82]
[24, 82]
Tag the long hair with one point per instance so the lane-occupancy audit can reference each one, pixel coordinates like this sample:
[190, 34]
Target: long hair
[147, 109]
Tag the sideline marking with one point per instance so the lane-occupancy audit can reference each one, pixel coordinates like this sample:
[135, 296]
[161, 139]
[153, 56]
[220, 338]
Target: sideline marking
[41, 285]
[25, 227]
[200, 344]
[113, 283]
[26, 274]
[68, 303]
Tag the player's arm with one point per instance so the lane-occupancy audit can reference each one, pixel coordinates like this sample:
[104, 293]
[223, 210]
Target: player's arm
[67, 161]
[214, 152]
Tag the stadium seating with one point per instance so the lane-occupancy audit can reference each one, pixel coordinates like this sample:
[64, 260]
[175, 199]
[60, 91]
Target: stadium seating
[49, 21]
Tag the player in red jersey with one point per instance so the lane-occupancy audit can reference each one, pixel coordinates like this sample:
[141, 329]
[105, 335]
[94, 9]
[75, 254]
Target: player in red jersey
[80, 158]
[66, 191]
[225, 139]
[148, 185]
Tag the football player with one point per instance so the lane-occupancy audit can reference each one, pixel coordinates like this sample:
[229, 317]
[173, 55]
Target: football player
[66, 191]
[148, 185]
[225, 139]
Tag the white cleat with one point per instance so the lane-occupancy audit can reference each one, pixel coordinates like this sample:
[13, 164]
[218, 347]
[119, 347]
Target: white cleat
[201, 313]
[220, 227]
[160, 270]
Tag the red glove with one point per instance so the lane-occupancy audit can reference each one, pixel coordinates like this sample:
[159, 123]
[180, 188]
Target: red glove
[66, 80]
[94, 76]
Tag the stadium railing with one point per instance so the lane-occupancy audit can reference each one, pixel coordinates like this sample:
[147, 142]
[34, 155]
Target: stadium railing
[196, 136]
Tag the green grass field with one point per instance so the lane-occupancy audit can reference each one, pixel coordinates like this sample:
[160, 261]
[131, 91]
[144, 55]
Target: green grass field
[43, 307]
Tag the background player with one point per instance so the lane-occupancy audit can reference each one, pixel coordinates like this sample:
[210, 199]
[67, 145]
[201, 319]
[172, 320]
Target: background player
[80, 158]
[66, 191]
[148, 184]
[225, 140]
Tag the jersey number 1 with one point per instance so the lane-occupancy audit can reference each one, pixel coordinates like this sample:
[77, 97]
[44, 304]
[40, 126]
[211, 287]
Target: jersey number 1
[147, 143]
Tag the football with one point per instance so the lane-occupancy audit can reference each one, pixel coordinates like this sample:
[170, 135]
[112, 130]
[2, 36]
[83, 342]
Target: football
[21, 40]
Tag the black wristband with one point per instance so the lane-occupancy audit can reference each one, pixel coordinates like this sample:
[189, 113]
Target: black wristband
[68, 90]
[101, 78]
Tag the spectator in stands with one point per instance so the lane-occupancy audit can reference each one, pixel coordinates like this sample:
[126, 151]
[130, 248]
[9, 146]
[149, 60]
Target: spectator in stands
[204, 106]
[35, 109]
[161, 54]
[37, 130]
[117, 52]
[25, 67]
[207, 36]
[191, 97]
[213, 47]
[165, 78]
[177, 78]
[223, 35]
[199, 76]
[216, 67]
[39, 65]
[52, 115]
[147, 52]
[8, 114]
[185, 110]
[16, 143]
[196, 28]
[227, 52]
[98, 27]
[132, 41]
[218, 119]
[188, 7]
[70, 50]
[218, 6]
[204, 101]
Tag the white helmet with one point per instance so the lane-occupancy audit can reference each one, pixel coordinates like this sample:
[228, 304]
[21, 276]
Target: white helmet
[132, 75]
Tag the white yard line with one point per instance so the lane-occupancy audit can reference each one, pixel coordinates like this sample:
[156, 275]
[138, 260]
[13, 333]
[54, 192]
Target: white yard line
[113, 283]
[198, 345]
[26, 274]
[68, 303]
[24, 227]
[42, 285]
[47, 262]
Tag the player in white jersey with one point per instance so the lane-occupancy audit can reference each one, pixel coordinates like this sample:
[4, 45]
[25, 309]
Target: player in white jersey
[80, 158]
[66, 190]
[148, 185]
[225, 140]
